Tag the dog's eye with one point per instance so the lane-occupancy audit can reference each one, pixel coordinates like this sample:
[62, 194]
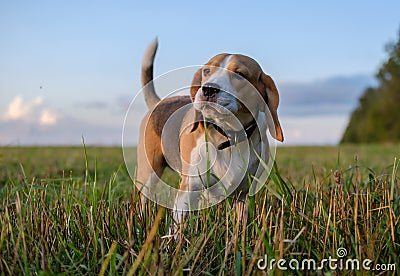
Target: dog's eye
[206, 72]
[239, 75]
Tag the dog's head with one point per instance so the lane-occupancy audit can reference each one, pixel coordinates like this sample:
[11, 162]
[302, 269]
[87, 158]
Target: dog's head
[227, 81]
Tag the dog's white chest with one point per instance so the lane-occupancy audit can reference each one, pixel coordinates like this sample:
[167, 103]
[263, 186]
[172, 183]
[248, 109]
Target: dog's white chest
[230, 166]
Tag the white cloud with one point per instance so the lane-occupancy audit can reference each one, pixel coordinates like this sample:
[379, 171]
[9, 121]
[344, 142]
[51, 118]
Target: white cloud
[47, 118]
[19, 110]
[33, 112]
[33, 122]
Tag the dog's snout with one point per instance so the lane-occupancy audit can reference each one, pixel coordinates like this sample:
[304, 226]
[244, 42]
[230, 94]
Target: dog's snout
[210, 89]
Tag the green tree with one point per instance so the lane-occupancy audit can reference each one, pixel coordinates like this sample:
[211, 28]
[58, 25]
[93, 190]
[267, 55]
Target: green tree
[377, 117]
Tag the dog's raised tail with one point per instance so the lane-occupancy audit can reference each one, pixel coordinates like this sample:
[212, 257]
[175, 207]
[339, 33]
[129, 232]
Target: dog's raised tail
[147, 75]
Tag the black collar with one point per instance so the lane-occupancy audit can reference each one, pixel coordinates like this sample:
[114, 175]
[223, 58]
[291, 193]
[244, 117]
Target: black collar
[234, 137]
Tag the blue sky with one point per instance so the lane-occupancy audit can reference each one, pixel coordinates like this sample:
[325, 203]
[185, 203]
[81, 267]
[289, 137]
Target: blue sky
[71, 68]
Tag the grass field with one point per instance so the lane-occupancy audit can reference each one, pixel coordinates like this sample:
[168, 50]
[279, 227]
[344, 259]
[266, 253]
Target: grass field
[74, 211]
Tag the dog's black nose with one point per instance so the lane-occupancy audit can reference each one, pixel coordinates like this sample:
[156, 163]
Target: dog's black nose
[210, 89]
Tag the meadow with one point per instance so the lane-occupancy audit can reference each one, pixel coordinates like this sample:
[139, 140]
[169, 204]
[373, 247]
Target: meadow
[74, 211]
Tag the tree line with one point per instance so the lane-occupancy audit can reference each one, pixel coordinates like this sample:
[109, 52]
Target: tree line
[377, 117]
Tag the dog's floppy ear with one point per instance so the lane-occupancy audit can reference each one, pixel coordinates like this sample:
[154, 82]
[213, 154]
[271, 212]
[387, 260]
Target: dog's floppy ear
[196, 84]
[271, 97]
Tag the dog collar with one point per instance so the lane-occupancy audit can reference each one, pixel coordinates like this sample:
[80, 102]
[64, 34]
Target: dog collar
[234, 137]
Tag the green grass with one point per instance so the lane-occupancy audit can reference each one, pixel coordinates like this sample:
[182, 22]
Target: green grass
[64, 211]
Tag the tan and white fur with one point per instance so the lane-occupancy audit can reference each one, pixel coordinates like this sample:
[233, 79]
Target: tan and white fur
[217, 92]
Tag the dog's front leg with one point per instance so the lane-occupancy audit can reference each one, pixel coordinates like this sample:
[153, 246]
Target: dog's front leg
[186, 200]
[178, 213]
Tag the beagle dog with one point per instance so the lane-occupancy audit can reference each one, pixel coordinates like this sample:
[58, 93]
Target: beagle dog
[232, 104]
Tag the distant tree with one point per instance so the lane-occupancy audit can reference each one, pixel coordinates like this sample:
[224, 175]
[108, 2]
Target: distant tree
[377, 117]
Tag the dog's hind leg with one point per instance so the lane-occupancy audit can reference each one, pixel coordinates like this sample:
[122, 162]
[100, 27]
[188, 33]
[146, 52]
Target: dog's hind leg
[151, 163]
